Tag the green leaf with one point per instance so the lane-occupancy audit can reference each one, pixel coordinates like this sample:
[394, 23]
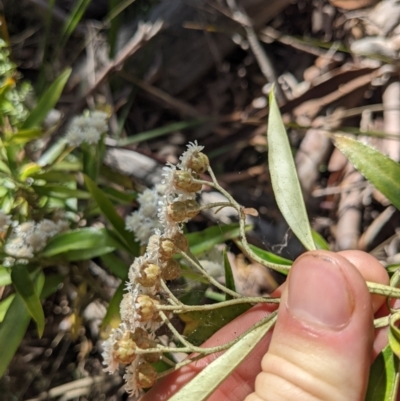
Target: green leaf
[268, 257]
[5, 277]
[394, 334]
[14, 325]
[201, 325]
[145, 136]
[53, 153]
[24, 136]
[25, 288]
[204, 240]
[229, 279]
[285, 182]
[112, 216]
[112, 317]
[81, 240]
[4, 305]
[60, 192]
[71, 23]
[383, 377]
[47, 101]
[377, 168]
[319, 241]
[205, 383]
[51, 284]
[116, 265]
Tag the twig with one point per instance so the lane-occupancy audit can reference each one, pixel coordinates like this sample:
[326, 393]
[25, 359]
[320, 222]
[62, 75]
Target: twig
[239, 15]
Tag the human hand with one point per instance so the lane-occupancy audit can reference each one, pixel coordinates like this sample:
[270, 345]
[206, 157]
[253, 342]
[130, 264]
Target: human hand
[323, 342]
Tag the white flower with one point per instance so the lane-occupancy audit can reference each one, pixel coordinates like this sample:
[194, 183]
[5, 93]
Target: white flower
[92, 135]
[193, 147]
[98, 120]
[145, 231]
[36, 240]
[5, 221]
[108, 348]
[62, 226]
[18, 249]
[25, 229]
[168, 181]
[130, 379]
[132, 222]
[148, 200]
[74, 136]
[47, 228]
[81, 122]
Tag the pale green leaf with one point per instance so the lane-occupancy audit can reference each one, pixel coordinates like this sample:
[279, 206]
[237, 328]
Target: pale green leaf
[14, 325]
[383, 377]
[4, 305]
[205, 383]
[5, 277]
[25, 287]
[47, 101]
[377, 168]
[285, 182]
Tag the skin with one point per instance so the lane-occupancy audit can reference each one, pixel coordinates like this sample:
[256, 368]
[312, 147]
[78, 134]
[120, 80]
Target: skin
[323, 342]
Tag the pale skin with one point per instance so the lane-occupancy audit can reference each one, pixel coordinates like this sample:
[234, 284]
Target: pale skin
[322, 345]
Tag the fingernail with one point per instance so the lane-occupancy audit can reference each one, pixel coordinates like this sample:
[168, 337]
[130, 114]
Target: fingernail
[319, 293]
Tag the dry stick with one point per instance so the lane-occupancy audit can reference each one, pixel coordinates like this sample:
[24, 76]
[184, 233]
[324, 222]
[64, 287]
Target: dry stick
[264, 62]
[144, 33]
[177, 104]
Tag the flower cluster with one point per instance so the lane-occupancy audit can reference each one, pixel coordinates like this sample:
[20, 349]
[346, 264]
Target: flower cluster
[28, 238]
[144, 221]
[139, 308]
[87, 128]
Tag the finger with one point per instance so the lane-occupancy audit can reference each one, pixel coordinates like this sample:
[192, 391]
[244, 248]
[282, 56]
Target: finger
[371, 270]
[325, 311]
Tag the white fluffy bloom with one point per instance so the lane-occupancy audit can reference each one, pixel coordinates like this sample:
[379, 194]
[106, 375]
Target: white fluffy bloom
[148, 200]
[98, 120]
[108, 355]
[36, 240]
[47, 228]
[25, 229]
[92, 135]
[74, 136]
[130, 379]
[132, 222]
[62, 226]
[18, 249]
[5, 221]
[192, 147]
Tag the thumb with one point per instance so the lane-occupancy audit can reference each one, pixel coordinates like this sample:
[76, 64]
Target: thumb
[322, 342]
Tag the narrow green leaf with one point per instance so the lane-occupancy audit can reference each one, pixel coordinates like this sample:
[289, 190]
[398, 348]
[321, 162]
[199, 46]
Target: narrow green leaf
[60, 192]
[4, 305]
[205, 383]
[202, 241]
[24, 136]
[112, 313]
[5, 277]
[53, 153]
[268, 257]
[229, 279]
[47, 101]
[79, 240]
[319, 241]
[51, 284]
[145, 136]
[74, 17]
[285, 182]
[112, 216]
[25, 288]
[14, 325]
[116, 265]
[394, 334]
[201, 325]
[380, 170]
[383, 377]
